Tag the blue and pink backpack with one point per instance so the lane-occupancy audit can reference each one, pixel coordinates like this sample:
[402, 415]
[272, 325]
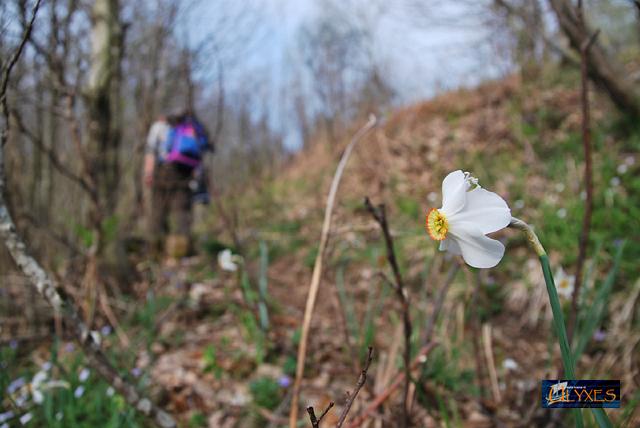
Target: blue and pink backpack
[186, 144]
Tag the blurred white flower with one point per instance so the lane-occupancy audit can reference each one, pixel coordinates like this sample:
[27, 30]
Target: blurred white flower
[79, 392]
[519, 204]
[510, 364]
[432, 197]
[559, 187]
[24, 419]
[468, 213]
[583, 195]
[615, 181]
[622, 168]
[110, 391]
[629, 160]
[564, 283]
[36, 386]
[46, 366]
[228, 261]
[5, 426]
[562, 213]
[59, 416]
[84, 375]
[96, 337]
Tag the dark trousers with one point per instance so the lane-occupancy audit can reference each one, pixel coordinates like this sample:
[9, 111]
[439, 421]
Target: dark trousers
[170, 201]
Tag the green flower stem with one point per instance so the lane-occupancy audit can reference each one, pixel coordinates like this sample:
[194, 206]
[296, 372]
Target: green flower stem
[558, 319]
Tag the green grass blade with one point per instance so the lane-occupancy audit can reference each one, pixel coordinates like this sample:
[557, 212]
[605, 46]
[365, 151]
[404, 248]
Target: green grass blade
[601, 418]
[584, 311]
[346, 302]
[598, 309]
[263, 282]
[561, 331]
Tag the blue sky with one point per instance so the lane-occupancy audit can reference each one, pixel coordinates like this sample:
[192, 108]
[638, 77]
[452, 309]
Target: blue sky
[421, 50]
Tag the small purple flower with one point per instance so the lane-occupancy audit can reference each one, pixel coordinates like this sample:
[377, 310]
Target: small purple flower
[84, 375]
[136, 372]
[79, 392]
[599, 335]
[6, 416]
[284, 381]
[106, 330]
[24, 419]
[69, 347]
[16, 385]
[13, 344]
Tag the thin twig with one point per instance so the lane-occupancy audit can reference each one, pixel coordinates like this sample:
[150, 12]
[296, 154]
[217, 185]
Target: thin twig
[351, 397]
[317, 268]
[315, 422]
[588, 170]
[12, 62]
[384, 395]
[379, 214]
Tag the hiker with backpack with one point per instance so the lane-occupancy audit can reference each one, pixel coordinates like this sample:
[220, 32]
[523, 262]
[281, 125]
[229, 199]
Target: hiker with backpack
[171, 159]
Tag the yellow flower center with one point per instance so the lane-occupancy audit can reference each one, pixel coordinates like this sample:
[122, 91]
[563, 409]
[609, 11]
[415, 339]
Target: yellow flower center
[564, 283]
[437, 225]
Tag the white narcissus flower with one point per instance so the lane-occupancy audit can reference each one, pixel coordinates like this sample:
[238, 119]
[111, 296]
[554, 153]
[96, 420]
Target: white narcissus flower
[468, 213]
[564, 283]
[40, 384]
[228, 261]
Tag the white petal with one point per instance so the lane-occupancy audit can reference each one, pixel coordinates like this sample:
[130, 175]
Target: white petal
[454, 189]
[450, 245]
[39, 377]
[478, 250]
[485, 209]
[225, 260]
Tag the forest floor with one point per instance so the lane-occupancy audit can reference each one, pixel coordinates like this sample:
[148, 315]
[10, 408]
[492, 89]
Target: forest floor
[194, 337]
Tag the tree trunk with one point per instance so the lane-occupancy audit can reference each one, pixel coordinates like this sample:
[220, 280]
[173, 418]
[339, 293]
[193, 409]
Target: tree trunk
[102, 99]
[603, 69]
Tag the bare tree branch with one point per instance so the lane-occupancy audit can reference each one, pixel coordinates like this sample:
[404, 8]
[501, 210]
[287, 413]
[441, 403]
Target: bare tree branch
[384, 395]
[379, 214]
[51, 154]
[315, 422]
[352, 396]
[43, 282]
[11, 63]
